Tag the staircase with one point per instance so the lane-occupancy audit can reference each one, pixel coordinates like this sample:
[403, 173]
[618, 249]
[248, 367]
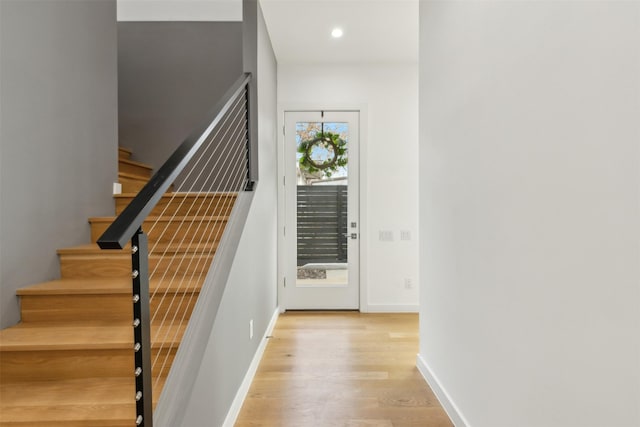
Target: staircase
[70, 360]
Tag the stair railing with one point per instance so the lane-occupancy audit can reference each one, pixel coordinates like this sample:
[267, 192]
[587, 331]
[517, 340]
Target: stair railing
[170, 261]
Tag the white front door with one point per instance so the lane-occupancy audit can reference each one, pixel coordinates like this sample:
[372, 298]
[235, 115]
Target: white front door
[321, 210]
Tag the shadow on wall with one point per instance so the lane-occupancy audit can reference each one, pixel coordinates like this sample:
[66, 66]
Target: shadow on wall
[170, 75]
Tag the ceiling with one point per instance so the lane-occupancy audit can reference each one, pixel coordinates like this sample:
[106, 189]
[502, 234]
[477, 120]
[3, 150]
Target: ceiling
[179, 10]
[375, 31]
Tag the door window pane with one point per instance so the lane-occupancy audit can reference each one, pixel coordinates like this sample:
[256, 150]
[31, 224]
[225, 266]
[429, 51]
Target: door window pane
[321, 191]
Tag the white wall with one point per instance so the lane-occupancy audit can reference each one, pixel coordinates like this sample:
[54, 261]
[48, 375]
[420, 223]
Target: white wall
[530, 211]
[157, 111]
[389, 184]
[251, 289]
[179, 10]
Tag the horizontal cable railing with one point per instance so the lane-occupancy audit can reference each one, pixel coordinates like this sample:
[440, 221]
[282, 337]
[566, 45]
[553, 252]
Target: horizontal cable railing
[175, 234]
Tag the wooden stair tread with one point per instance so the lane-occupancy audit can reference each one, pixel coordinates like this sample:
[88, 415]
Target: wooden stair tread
[80, 391]
[38, 337]
[168, 195]
[184, 203]
[91, 401]
[131, 182]
[178, 230]
[131, 176]
[125, 150]
[135, 163]
[67, 363]
[100, 286]
[208, 218]
[160, 248]
[69, 392]
[94, 415]
[133, 167]
[96, 402]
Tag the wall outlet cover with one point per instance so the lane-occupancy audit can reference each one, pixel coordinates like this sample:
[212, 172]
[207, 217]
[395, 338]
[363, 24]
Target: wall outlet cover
[385, 236]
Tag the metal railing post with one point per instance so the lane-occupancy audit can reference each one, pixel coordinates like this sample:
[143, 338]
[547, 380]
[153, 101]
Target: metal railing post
[142, 328]
[250, 181]
[127, 227]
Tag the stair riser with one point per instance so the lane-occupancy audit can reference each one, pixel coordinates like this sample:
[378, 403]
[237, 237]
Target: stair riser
[172, 231]
[134, 169]
[203, 206]
[78, 414]
[83, 266]
[134, 185]
[123, 154]
[56, 377]
[130, 185]
[47, 365]
[112, 308]
[83, 423]
[15, 412]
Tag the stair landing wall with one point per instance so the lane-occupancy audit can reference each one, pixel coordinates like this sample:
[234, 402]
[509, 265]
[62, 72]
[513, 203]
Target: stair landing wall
[187, 54]
[59, 134]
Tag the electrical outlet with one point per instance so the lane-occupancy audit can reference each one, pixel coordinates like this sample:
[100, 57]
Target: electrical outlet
[408, 284]
[385, 235]
[251, 329]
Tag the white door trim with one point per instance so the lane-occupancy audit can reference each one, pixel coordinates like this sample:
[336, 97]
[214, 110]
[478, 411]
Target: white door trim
[364, 224]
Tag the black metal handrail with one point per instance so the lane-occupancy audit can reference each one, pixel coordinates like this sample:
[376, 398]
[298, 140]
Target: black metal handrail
[126, 225]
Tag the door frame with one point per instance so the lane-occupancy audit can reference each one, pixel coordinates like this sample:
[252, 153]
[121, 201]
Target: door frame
[363, 184]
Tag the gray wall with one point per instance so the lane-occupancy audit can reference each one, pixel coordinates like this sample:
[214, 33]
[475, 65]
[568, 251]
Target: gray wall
[251, 289]
[530, 211]
[58, 134]
[170, 74]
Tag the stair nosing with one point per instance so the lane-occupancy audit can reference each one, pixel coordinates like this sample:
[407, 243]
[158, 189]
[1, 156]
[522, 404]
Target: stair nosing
[94, 249]
[106, 392]
[66, 337]
[122, 285]
[92, 338]
[230, 194]
[129, 175]
[165, 218]
[136, 163]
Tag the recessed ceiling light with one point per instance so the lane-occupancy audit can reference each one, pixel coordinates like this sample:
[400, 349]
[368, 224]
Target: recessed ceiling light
[336, 33]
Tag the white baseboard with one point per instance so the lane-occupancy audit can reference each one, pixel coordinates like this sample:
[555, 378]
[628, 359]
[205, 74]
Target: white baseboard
[449, 406]
[399, 308]
[236, 405]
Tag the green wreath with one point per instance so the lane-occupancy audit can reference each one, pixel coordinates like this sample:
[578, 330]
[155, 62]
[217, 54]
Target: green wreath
[326, 140]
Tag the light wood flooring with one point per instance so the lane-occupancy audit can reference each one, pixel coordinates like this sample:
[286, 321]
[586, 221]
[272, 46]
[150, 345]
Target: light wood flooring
[342, 369]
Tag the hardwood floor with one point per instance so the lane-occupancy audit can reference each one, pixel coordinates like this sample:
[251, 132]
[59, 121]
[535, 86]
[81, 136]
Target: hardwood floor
[342, 369]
